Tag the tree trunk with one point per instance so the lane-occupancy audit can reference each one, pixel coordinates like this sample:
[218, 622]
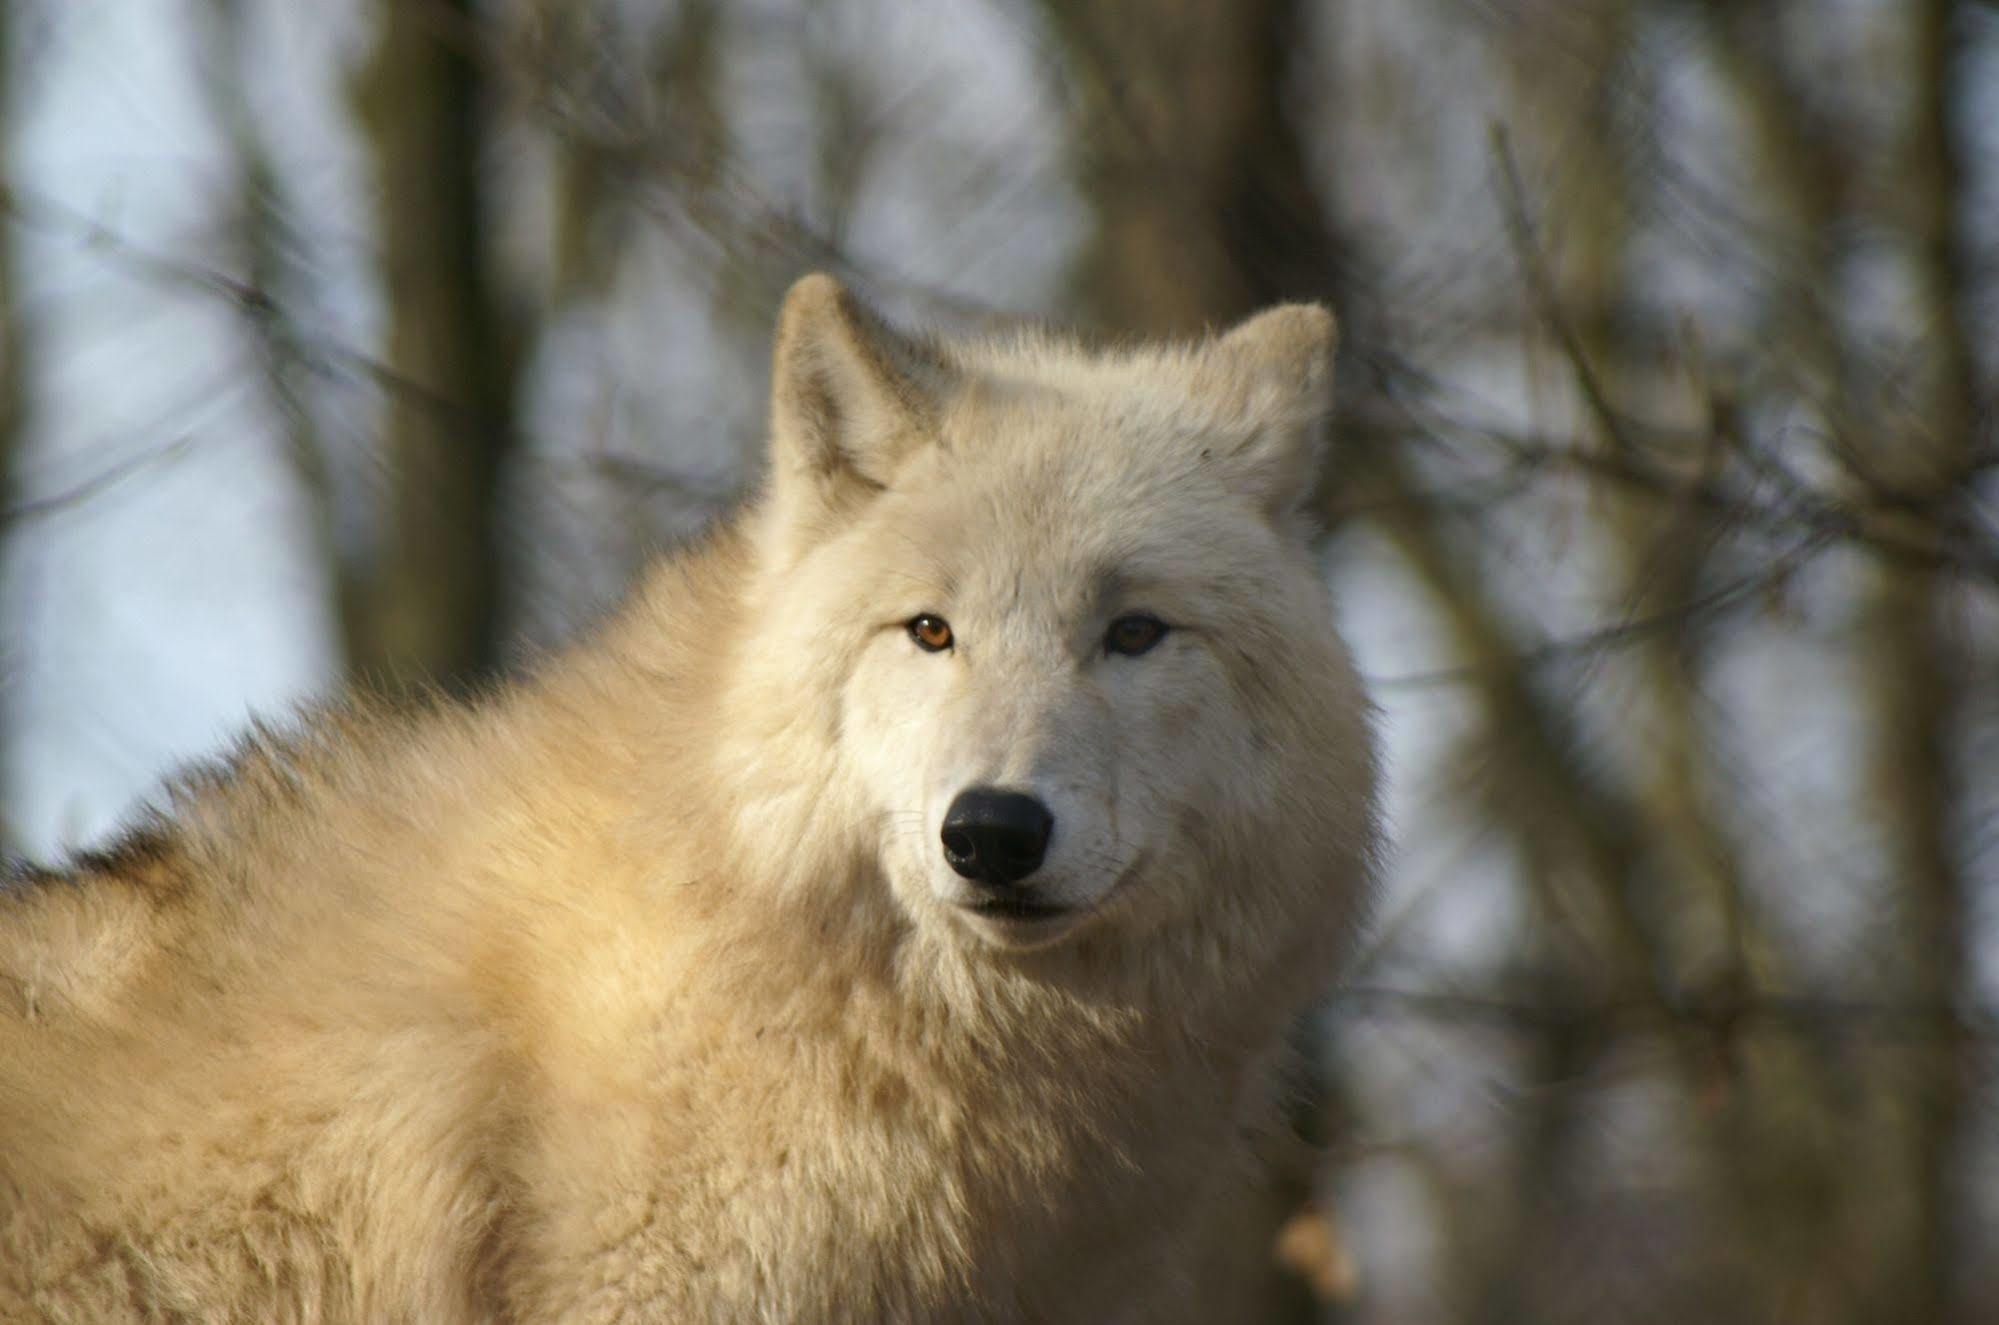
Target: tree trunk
[1918, 676]
[1192, 164]
[430, 606]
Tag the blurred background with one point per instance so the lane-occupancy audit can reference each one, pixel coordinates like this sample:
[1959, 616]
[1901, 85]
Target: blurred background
[381, 340]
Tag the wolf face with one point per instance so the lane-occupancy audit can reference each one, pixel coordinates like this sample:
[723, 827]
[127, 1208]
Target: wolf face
[1065, 598]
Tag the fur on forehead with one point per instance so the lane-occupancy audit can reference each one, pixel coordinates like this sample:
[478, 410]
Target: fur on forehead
[854, 400]
[1274, 370]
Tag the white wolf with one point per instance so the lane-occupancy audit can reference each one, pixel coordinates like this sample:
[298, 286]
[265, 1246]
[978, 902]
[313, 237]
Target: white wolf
[894, 913]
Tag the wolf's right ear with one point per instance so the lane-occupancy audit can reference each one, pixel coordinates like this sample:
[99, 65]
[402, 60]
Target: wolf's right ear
[850, 397]
[1274, 375]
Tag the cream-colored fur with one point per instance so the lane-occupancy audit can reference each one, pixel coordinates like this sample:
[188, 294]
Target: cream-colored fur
[641, 989]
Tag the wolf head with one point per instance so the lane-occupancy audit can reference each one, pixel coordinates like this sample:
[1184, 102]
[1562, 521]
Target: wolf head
[1053, 616]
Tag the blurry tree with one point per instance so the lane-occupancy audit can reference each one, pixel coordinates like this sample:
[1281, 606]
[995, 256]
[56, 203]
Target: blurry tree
[1191, 160]
[13, 339]
[1920, 463]
[429, 604]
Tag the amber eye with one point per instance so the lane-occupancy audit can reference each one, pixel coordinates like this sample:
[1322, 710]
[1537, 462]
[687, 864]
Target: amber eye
[1134, 634]
[931, 633]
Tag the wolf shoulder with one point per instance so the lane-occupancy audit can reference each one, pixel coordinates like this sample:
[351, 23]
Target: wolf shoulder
[72, 940]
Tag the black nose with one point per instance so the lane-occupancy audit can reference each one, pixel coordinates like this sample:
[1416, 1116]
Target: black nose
[996, 837]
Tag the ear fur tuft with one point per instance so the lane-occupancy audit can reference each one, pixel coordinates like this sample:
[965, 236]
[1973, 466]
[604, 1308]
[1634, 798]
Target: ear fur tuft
[1274, 373]
[850, 397]
[1289, 348]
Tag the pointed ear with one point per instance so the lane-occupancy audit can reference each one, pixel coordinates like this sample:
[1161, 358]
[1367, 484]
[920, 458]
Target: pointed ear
[850, 398]
[1274, 377]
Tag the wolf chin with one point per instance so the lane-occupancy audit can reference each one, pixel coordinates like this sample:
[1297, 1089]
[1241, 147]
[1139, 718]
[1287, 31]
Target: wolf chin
[894, 913]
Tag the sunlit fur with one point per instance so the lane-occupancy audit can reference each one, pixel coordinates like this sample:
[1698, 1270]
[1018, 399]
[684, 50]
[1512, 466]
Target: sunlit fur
[640, 989]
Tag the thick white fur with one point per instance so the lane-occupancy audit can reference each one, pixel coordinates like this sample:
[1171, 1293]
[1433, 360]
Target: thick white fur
[641, 990]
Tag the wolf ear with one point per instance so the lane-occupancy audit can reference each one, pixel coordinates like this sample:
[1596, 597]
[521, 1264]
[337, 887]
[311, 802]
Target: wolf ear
[850, 398]
[1274, 377]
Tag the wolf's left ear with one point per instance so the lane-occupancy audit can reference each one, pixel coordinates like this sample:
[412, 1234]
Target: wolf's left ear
[1273, 376]
[850, 398]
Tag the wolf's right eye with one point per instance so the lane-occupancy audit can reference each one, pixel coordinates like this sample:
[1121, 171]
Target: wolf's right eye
[931, 633]
[1134, 634]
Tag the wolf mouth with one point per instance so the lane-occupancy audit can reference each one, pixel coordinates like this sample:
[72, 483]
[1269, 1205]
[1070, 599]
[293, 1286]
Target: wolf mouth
[1015, 908]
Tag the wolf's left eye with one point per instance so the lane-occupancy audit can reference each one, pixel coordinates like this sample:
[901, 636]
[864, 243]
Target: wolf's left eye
[1134, 634]
[932, 633]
